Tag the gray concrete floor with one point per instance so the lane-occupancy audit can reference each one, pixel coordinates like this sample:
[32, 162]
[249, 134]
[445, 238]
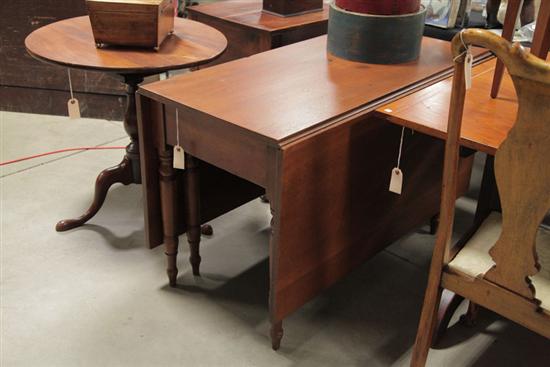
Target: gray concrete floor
[95, 296]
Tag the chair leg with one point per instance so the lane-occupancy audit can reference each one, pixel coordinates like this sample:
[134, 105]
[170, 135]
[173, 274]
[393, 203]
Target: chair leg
[470, 317]
[428, 321]
[541, 38]
[507, 33]
[448, 305]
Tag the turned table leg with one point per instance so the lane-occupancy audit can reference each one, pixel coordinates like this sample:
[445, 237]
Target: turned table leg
[168, 187]
[127, 172]
[192, 212]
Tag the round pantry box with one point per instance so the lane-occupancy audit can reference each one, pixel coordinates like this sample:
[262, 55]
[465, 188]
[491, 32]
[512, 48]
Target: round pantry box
[380, 7]
[375, 38]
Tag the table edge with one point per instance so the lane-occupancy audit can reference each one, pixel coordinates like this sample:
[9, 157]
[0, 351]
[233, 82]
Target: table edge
[145, 71]
[357, 112]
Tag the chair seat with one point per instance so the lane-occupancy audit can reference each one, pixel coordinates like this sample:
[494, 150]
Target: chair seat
[474, 259]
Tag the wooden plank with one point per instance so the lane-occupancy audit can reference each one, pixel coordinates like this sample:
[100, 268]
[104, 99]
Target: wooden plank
[347, 214]
[499, 300]
[149, 115]
[486, 120]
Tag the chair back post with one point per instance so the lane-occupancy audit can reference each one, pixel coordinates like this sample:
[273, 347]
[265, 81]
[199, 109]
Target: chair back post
[521, 162]
[441, 253]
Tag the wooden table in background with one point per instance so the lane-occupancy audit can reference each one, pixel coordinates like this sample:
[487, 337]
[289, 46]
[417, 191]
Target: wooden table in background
[250, 31]
[70, 43]
[299, 124]
[46, 91]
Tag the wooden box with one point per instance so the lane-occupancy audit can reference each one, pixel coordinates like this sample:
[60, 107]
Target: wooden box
[142, 23]
[287, 8]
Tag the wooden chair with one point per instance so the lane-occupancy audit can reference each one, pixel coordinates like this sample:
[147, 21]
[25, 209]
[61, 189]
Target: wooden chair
[503, 263]
[541, 39]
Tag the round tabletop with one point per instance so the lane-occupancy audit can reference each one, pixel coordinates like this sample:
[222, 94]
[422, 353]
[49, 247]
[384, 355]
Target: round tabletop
[70, 42]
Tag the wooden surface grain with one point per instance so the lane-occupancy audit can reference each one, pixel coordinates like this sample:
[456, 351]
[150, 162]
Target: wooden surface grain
[348, 166]
[71, 43]
[301, 85]
[249, 13]
[486, 120]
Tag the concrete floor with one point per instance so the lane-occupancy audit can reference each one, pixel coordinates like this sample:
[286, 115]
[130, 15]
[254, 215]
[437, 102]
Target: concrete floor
[95, 296]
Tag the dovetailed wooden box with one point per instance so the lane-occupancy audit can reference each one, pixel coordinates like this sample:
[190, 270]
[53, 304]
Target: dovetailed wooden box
[288, 8]
[142, 23]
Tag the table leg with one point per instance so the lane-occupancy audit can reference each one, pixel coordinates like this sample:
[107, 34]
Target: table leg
[488, 201]
[507, 33]
[193, 220]
[127, 172]
[168, 189]
[276, 331]
[276, 334]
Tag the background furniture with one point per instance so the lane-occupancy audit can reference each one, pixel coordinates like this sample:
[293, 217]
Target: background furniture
[47, 90]
[541, 38]
[496, 263]
[297, 123]
[250, 31]
[70, 43]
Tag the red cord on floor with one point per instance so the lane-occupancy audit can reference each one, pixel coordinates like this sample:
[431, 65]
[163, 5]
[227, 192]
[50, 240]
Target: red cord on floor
[57, 152]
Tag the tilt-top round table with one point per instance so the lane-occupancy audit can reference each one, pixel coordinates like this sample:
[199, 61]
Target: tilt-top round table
[70, 43]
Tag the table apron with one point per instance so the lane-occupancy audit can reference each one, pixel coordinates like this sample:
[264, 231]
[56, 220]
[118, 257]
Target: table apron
[218, 144]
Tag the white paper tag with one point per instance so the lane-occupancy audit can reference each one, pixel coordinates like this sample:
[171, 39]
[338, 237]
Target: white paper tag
[74, 108]
[396, 182]
[179, 157]
[468, 63]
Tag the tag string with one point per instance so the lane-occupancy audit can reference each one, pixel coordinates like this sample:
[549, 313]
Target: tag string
[177, 129]
[400, 147]
[70, 83]
[467, 48]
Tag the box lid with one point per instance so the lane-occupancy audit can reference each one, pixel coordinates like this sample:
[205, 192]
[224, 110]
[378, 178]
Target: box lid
[136, 2]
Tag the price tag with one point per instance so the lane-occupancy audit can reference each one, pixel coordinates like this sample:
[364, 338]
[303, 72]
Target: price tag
[396, 182]
[179, 157]
[468, 63]
[74, 108]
